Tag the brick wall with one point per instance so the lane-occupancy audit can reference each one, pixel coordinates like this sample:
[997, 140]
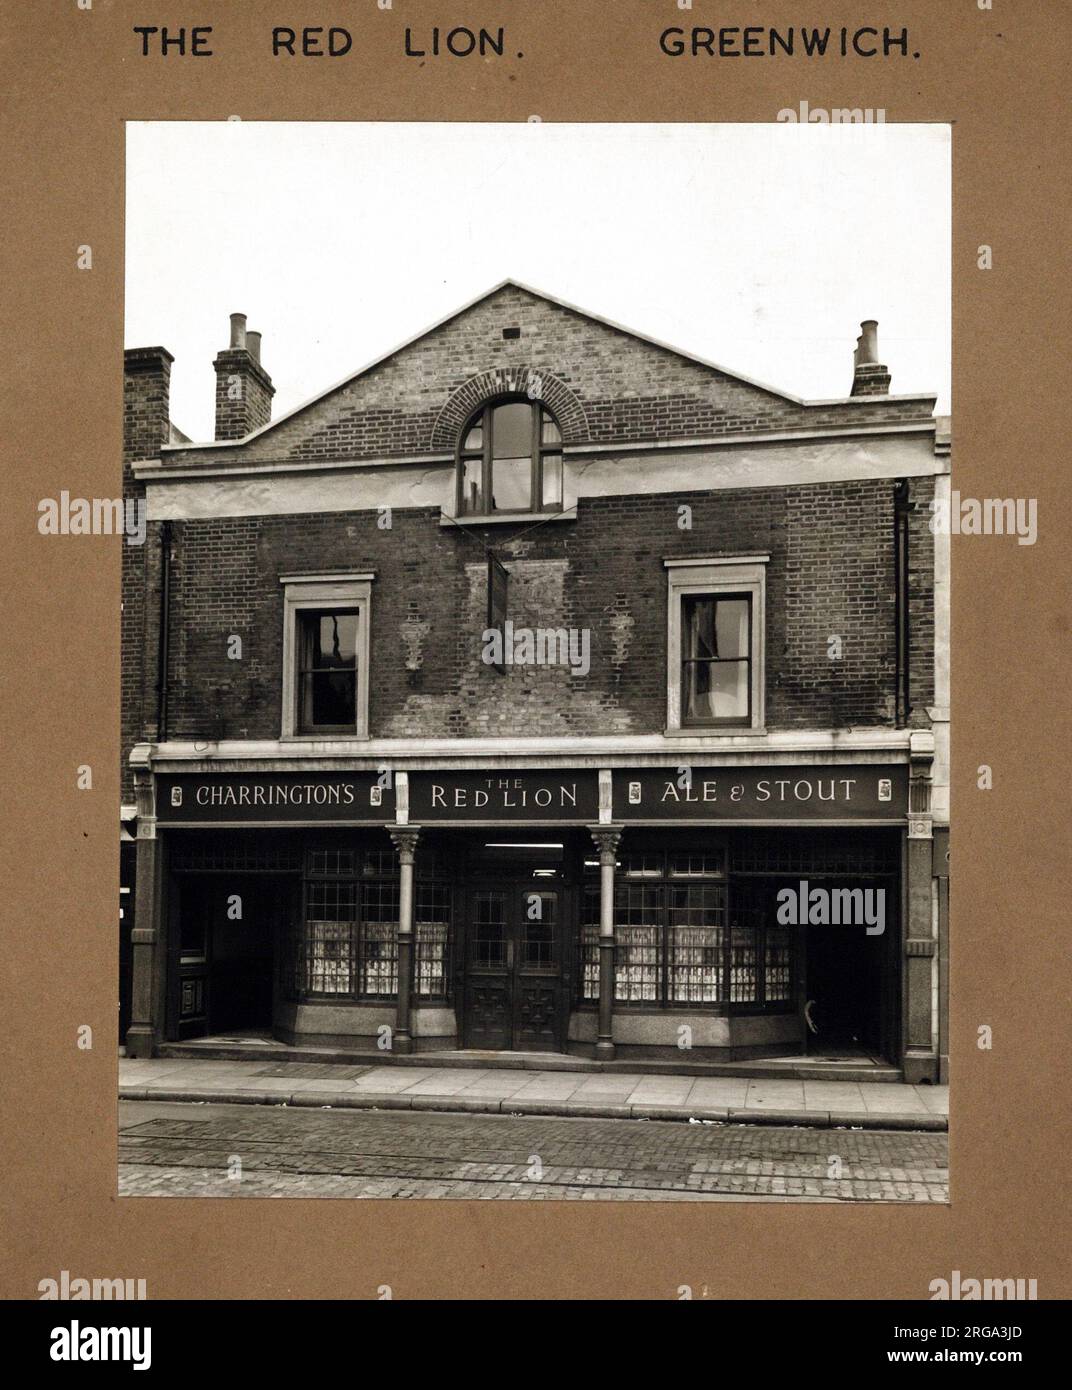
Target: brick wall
[830, 575]
[831, 547]
[146, 387]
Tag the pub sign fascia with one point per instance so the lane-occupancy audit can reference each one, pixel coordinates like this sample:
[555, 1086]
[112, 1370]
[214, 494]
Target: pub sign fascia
[829, 792]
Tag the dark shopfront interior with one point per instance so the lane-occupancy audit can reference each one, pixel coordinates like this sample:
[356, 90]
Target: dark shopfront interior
[506, 927]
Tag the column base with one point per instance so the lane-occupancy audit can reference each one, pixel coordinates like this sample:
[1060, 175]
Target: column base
[604, 1051]
[139, 1040]
[402, 1043]
[919, 1069]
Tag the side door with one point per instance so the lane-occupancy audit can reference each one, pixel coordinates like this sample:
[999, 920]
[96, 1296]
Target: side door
[190, 956]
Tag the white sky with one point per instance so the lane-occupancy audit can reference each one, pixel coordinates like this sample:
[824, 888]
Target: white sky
[760, 247]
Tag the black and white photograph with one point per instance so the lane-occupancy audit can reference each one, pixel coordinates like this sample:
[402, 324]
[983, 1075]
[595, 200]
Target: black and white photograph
[535, 662]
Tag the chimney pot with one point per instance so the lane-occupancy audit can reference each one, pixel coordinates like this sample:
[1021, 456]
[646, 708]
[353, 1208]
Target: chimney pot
[253, 343]
[238, 330]
[869, 340]
[869, 375]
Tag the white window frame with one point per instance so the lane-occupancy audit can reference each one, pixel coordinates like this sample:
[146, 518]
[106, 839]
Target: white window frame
[302, 592]
[732, 574]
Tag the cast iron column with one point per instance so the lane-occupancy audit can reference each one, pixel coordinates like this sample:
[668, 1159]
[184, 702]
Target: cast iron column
[606, 838]
[405, 840]
[920, 943]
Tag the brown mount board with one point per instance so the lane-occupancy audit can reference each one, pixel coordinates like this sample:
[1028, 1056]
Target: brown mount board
[71, 78]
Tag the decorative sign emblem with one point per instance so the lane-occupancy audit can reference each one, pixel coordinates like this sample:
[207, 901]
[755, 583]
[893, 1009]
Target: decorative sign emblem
[885, 789]
[176, 796]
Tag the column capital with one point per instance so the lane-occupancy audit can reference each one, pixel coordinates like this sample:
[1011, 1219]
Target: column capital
[606, 838]
[405, 839]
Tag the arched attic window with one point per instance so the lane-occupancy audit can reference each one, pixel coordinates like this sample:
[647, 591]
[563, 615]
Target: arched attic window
[510, 459]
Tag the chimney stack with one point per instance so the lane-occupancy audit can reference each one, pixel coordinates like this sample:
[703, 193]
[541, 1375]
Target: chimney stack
[870, 377]
[146, 406]
[244, 389]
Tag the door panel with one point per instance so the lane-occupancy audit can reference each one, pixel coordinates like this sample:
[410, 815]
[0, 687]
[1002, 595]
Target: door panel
[489, 1000]
[191, 961]
[536, 983]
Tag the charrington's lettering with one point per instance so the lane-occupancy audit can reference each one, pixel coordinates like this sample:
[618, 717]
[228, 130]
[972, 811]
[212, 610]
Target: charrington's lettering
[303, 794]
[268, 797]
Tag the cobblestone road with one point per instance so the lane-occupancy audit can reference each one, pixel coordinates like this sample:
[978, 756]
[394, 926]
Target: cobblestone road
[182, 1150]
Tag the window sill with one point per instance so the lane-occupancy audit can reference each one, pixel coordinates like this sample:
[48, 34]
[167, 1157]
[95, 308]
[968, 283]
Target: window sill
[715, 731]
[506, 518]
[326, 736]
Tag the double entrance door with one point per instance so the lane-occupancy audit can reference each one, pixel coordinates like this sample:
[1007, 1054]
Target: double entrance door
[513, 984]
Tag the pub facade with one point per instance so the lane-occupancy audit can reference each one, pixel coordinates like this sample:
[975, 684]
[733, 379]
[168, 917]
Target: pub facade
[538, 688]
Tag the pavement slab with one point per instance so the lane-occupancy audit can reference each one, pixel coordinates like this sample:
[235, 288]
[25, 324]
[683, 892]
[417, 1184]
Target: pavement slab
[592, 1094]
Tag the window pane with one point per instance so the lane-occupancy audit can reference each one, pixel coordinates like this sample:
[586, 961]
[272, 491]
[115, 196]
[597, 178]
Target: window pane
[432, 935]
[552, 480]
[715, 690]
[511, 484]
[328, 699]
[329, 937]
[538, 930]
[643, 865]
[698, 628]
[474, 440]
[778, 973]
[332, 639]
[698, 865]
[550, 433]
[638, 933]
[511, 431]
[589, 944]
[731, 628]
[697, 924]
[327, 674]
[742, 964]
[472, 499]
[379, 913]
[489, 940]
[715, 628]
[193, 931]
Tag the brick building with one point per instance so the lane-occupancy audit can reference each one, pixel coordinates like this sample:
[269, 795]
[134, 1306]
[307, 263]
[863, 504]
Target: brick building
[496, 697]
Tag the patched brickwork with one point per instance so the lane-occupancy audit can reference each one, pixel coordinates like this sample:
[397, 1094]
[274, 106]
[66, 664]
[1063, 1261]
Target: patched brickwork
[830, 574]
